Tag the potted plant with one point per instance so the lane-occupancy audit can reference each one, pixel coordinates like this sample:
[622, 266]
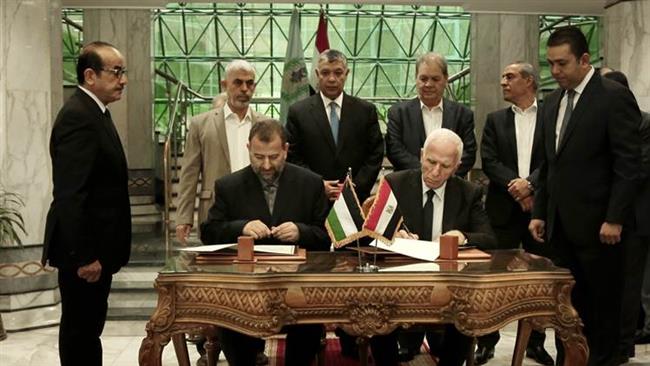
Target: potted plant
[11, 225]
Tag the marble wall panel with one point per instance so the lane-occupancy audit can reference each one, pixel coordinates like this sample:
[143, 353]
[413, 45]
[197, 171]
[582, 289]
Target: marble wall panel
[626, 41]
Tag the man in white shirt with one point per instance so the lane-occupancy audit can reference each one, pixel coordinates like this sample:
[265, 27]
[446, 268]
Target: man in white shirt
[512, 154]
[215, 146]
[411, 121]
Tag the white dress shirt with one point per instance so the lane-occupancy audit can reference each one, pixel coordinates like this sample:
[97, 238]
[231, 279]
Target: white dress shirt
[438, 208]
[525, 132]
[432, 117]
[237, 131]
[563, 102]
[326, 102]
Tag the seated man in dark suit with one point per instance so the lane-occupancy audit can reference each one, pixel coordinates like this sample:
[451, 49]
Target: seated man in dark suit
[411, 121]
[434, 202]
[261, 201]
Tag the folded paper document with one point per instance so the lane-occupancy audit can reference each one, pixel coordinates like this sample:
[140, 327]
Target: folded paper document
[419, 249]
[272, 249]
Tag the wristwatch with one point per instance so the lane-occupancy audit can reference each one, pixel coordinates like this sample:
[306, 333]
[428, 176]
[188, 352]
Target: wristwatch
[531, 186]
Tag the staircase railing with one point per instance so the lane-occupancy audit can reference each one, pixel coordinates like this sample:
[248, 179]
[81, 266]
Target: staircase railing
[173, 146]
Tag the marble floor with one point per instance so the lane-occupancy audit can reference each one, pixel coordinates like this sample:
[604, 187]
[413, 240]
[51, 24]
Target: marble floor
[121, 341]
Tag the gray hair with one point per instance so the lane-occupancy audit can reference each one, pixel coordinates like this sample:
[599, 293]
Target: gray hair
[332, 55]
[441, 135]
[434, 58]
[237, 65]
[528, 71]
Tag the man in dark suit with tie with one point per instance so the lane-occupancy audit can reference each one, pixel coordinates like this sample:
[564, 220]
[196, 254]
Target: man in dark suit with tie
[88, 228]
[332, 131]
[434, 202]
[512, 154]
[584, 202]
[275, 203]
[410, 122]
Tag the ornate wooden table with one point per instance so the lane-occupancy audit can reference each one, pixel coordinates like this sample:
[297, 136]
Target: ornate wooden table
[259, 299]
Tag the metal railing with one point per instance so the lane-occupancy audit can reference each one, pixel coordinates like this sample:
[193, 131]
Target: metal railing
[173, 145]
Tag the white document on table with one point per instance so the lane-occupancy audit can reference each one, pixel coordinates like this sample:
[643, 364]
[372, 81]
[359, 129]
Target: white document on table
[413, 267]
[419, 249]
[274, 249]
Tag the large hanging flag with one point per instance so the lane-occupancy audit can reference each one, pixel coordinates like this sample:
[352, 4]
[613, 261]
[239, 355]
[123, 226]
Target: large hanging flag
[295, 84]
[321, 44]
[384, 217]
[345, 219]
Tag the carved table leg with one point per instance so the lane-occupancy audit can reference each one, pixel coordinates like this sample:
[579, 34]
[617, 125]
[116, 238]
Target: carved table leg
[212, 347]
[151, 350]
[180, 346]
[523, 333]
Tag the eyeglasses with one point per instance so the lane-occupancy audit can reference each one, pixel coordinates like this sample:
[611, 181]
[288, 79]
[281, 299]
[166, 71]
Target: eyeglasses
[118, 72]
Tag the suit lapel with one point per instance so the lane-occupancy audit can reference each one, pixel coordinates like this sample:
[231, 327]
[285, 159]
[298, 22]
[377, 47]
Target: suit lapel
[258, 202]
[554, 104]
[415, 114]
[321, 120]
[537, 137]
[346, 124]
[448, 120]
[580, 107]
[510, 131]
[411, 199]
[220, 126]
[451, 205]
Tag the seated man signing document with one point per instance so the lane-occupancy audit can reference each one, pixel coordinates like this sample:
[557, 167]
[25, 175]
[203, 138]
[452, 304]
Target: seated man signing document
[275, 203]
[434, 202]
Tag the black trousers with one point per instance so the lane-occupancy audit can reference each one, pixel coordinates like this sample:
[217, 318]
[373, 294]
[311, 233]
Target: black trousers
[635, 253]
[510, 235]
[597, 269]
[301, 347]
[447, 343]
[83, 314]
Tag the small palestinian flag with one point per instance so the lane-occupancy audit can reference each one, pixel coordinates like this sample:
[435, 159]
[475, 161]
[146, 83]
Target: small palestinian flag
[384, 217]
[345, 218]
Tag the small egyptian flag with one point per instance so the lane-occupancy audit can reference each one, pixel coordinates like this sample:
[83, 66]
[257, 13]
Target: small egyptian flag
[384, 217]
[345, 219]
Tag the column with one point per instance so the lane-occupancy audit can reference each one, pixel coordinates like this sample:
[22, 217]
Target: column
[626, 42]
[31, 79]
[130, 31]
[498, 40]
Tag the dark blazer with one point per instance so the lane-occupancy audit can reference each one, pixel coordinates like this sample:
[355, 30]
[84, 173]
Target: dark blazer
[239, 198]
[463, 209]
[643, 202]
[360, 144]
[90, 215]
[405, 136]
[592, 178]
[500, 162]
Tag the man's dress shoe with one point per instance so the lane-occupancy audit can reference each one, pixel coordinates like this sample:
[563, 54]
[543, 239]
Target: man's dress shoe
[539, 354]
[261, 359]
[406, 355]
[483, 354]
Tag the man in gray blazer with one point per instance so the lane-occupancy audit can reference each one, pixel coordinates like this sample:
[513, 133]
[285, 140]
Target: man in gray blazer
[216, 145]
[410, 122]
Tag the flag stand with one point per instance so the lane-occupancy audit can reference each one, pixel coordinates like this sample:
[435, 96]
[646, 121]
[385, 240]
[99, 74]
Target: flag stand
[366, 267]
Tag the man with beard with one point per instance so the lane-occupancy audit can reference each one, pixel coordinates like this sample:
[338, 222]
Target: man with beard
[261, 201]
[215, 146]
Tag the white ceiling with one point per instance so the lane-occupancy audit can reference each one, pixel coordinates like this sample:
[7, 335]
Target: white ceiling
[559, 7]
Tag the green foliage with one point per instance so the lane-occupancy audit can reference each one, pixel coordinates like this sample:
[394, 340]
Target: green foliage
[11, 220]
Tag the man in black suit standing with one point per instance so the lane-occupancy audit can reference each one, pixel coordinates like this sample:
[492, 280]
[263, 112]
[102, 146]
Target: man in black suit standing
[332, 131]
[275, 203]
[512, 154]
[88, 228]
[434, 202]
[410, 122]
[584, 202]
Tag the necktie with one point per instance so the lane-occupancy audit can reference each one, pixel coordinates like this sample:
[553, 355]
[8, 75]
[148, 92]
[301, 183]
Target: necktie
[427, 216]
[567, 114]
[334, 122]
